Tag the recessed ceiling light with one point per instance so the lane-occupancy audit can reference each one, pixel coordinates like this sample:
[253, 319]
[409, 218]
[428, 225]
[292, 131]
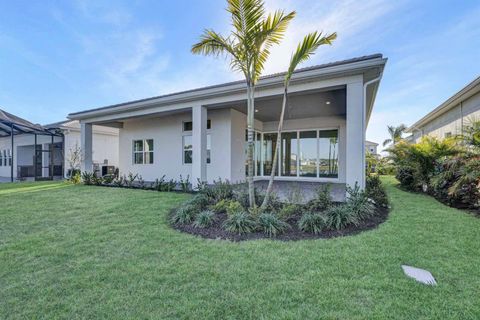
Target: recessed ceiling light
[327, 102]
[256, 110]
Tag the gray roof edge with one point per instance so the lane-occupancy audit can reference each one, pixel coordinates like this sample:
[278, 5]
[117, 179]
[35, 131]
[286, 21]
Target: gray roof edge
[473, 86]
[315, 67]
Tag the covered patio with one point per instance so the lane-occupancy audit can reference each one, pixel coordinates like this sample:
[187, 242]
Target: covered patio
[29, 151]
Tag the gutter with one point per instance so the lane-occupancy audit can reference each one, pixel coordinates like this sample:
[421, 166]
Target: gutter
[365, 85]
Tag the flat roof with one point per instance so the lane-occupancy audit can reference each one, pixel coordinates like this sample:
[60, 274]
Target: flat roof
[75, 115]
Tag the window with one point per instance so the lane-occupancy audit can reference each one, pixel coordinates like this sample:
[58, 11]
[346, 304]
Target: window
[328, 153]
[269, 145]
[9, 157]
[289, 154]
[143, 151]
[311, 154]
[448, 134]
[308, 154]
[5, 158]
[257, 163]
[188, 125]
[187, 149]
[1, 158]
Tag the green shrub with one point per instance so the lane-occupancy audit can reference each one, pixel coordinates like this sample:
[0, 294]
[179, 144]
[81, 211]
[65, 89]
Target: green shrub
[184, 183]
[376, 191]
[87, 178]
[120, 181]
[184, 215]
[199, 202]
[239, 223]
[406, 177]
[338, 217]
[96, 180]
[220, 206]
[271, 225]
[220, 190]
[204, 219]
[312, 223]
[241, 195]
[108, 179]
[289, 210]
[234, 207]
[130, 180]
[359, 203]
[76, 178]
[322, 201]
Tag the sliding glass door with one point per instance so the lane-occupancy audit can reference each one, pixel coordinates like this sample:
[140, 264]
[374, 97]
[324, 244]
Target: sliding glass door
[288, 167]
[308, 154]
[268, 149]
[328, 153]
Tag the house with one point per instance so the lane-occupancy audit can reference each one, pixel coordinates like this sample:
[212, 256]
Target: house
[20, 159]
[201, 133]
[371, 147]
[449, 118]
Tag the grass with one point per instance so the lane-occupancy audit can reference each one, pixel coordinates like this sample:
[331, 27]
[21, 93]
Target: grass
[94, 252]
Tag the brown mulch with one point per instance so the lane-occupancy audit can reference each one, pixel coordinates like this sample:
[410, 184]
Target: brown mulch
[292, 234]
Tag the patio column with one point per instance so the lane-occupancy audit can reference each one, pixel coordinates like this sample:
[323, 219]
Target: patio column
[199, 145]
[355, 139]
[86, 145]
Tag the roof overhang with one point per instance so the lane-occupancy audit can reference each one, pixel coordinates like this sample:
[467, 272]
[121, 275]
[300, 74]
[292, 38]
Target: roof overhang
[328, 75]
[466, 92]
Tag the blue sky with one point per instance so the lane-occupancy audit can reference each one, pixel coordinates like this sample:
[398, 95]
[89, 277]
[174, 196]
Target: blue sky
[58, 57]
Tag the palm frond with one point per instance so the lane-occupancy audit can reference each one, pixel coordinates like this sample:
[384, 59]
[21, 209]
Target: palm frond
[387, 141]
[307, 48]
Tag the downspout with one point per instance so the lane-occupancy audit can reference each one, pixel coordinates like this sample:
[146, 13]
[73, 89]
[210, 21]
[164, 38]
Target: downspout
[364, 120]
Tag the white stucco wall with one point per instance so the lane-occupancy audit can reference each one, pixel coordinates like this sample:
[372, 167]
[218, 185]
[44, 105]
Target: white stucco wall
[451, 121]
[167, 134]
[105, 145]
[227, 144]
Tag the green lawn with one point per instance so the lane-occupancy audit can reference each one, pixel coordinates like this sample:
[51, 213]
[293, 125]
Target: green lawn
[94, 252]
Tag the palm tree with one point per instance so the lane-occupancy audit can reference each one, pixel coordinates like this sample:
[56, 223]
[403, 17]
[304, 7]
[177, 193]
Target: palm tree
[304, 51]
[395, 134]
[248, 47]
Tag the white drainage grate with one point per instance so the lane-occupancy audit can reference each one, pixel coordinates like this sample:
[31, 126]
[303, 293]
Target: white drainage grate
[420, 275]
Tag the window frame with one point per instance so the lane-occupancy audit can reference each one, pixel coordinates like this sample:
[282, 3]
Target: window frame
[209, 156]
[298, 149]
[143, 152]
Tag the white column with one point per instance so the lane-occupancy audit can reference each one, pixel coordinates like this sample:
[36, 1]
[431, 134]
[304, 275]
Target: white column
[199, 144]
[355, 137]
[86, 146]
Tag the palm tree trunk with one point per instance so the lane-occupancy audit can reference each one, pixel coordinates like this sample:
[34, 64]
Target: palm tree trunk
[275, 156]
[250, 145]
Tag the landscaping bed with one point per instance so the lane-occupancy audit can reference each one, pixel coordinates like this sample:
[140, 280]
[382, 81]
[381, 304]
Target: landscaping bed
[215, 231]
[222, 211]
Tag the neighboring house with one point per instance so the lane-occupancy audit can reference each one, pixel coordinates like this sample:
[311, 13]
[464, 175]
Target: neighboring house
[54, 144]
[450, 117]
[201, 133]
[371, 147]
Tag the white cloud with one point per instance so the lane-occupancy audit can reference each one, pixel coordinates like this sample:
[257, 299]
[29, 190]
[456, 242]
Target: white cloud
[348, 18]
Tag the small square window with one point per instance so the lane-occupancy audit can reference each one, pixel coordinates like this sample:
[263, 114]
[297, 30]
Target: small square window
[188, 125]
[143, 151]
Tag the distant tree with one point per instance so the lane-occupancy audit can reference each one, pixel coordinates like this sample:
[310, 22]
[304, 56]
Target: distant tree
[395, 134]
[74, 158]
